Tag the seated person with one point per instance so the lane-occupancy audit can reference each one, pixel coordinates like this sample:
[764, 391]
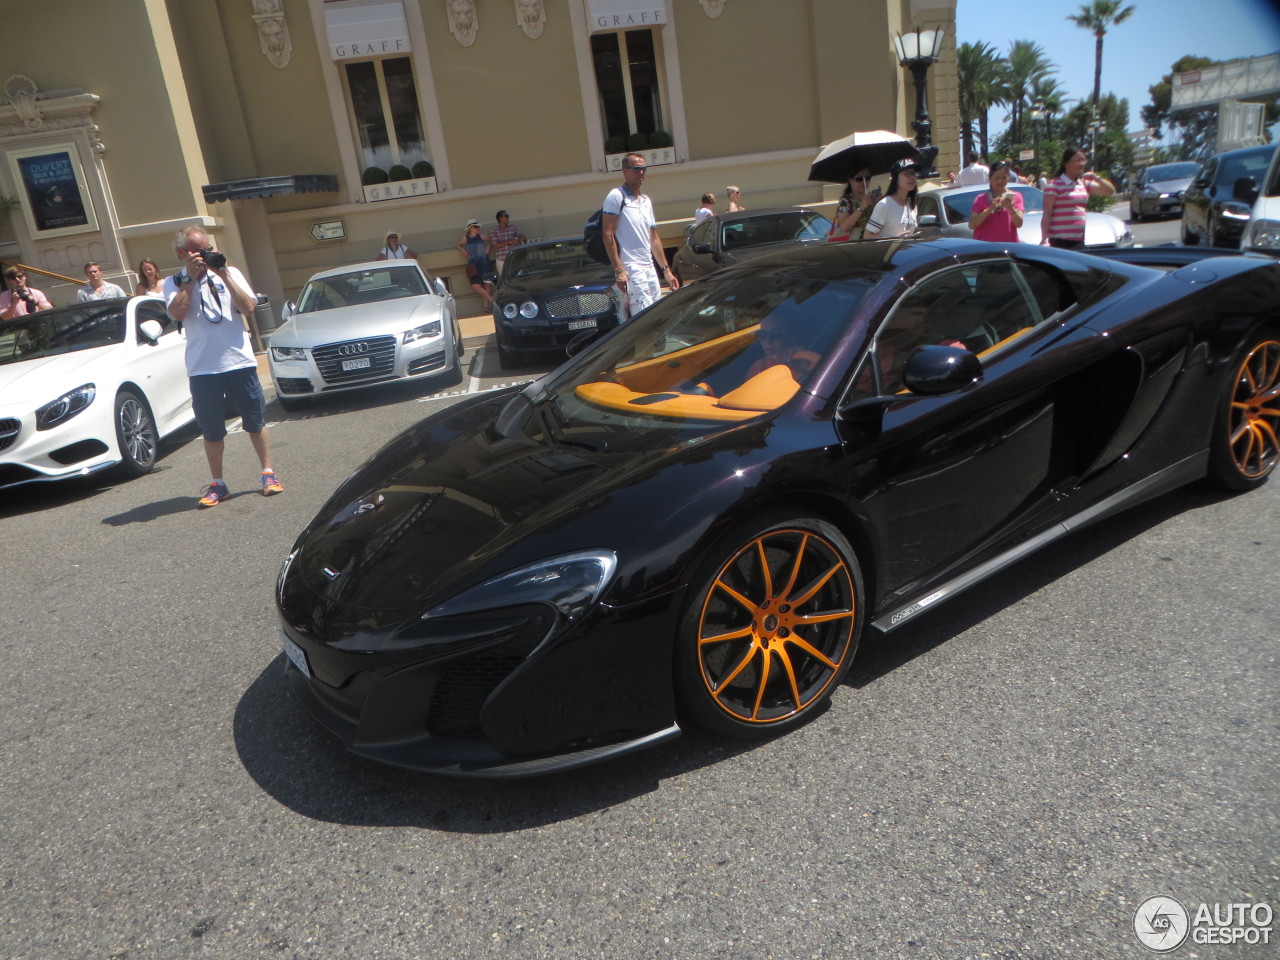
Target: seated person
[912, 326]
[780, 343]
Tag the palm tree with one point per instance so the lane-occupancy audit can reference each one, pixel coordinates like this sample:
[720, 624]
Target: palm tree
[1025, 65]
[979, 70]
[1052, 98]
[1097, 17]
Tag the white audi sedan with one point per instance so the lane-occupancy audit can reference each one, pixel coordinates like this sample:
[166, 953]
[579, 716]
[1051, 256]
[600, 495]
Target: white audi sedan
[364, 324]
[88, 387]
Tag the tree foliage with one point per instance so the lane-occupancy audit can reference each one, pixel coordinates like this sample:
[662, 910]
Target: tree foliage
[980, 71]
[1097, 17]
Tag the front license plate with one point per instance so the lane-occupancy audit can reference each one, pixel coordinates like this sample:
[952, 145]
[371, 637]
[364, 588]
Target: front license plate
[582, 324]
[359, 363]
[297, 656]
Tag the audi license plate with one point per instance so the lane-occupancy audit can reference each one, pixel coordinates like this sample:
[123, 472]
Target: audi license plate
[582, 324]
[360, 363]
[297, 656]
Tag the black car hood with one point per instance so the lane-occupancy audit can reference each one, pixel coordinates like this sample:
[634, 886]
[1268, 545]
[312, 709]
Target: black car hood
[452, 502]
[743, 254]
[589, 280]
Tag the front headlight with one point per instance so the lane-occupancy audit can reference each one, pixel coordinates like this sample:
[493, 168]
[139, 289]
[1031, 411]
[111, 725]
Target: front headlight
[1236, 211]
[280, 354]
[1264, 235]
[423, 332]
[570, 584]
[65, 407]
[528, 309]
[1125, 239]
[509, 310]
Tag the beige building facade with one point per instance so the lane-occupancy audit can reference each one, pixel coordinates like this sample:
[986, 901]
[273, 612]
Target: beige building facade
[274, 122]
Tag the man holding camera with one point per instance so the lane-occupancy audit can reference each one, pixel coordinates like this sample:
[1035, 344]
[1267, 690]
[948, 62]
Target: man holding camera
[211, 301]
[19, 299]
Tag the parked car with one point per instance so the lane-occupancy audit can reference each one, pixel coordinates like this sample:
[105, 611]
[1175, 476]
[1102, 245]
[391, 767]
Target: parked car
[945, 211]
[1262, 233]
[364, 324]
[733, 238]
[1210, 211]
[550, 294]
[696, 519]
[88, 387]
[1158, 190]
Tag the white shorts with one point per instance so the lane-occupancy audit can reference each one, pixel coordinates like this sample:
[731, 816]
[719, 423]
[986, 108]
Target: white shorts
[643, 287]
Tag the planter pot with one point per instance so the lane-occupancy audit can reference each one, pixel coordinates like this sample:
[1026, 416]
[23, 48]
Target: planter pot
[399, 189]
[654, 158]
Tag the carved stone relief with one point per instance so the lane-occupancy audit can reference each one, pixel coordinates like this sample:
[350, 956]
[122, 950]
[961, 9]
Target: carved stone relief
[463, 20]
[712, 8]
[531, 15]
[273, 32]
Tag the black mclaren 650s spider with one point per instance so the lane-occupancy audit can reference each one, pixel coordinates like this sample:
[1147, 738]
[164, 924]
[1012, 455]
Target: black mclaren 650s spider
[696, 518]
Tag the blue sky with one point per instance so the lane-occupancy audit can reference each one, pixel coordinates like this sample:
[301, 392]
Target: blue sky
[1135, 54]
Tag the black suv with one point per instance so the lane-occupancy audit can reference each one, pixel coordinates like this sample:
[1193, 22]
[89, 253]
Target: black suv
[1210, 212]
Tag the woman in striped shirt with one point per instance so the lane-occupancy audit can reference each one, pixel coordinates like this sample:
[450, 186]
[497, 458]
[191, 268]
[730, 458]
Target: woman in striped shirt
[1066, 197]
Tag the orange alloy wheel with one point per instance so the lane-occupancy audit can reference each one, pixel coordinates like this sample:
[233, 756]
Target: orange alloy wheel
[776, 629]
[1254, 414]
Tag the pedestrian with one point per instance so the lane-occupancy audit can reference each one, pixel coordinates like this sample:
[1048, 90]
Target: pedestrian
[393, 249]
[1066, 200]
[997, 214]
[974, 173]
[97, 288]
[150, 283]
[734, 196]
[708, 208]
[212, 301]
[632, 242]
[895, 214]
[506, 236]
[19, 299]
[474, 245]
[854, 209]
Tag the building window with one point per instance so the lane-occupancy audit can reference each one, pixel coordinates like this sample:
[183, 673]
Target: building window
[384, 108]
[627, 79]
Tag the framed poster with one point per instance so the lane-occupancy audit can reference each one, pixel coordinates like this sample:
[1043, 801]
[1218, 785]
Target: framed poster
[52, 184]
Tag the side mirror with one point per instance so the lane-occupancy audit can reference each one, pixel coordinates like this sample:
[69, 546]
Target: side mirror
[152, 330]
[928, 220]
[702, 247]
[1200, 183]
[1245, 189]
[438, 285]
[289, 309]
[933, 370]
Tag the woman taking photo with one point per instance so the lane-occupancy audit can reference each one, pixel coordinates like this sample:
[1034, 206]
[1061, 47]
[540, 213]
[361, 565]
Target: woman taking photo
[895, 214]
[997, 214]
[854, 209]
[1065, 200]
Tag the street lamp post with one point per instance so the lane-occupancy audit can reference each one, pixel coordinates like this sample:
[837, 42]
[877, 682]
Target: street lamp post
[917, 50]
[1097, 128]
[1036, 112]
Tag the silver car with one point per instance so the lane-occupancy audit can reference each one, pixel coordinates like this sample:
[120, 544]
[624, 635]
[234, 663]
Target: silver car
[364, 324]
[945, 213]
[1159, 189]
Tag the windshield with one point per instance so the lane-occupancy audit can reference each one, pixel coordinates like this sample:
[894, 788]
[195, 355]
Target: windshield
[960, 205]
[1250, 164]
[781, 227]
[719, 351]
[1172, 171]
[549, 259]
[49, 333]
[361, 286]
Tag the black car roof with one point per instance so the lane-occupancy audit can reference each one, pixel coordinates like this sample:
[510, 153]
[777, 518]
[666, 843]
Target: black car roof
[761, 212]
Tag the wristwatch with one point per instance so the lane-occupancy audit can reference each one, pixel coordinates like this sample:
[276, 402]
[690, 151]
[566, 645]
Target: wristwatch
[182, 278]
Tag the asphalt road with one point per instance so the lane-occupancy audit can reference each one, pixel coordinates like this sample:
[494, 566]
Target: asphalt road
[1007, 777]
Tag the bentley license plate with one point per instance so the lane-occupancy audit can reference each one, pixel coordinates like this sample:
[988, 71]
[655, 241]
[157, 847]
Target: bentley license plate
[359, 363]
[582, 324]
[297, 656]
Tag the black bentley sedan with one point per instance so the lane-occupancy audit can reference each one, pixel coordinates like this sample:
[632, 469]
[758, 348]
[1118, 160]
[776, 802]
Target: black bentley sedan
[549, 294]
[697, 518]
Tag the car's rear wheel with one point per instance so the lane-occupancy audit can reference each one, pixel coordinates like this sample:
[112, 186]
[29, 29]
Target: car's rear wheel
[136, 434]
[771, 628]
[1246, 434]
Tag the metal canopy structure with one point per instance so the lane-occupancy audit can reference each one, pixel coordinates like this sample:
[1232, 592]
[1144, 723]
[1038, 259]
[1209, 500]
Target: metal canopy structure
[1235, 80]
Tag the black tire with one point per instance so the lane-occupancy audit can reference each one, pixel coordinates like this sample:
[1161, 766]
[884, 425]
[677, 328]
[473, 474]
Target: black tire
[1245, 447]
[753, 659]
[457, 339]
[1189, 239]
[136, 435]
[506, 359]
[1135, 212]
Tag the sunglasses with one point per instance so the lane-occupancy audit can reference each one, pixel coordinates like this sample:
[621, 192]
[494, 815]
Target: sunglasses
[638, 169]
[861, 179]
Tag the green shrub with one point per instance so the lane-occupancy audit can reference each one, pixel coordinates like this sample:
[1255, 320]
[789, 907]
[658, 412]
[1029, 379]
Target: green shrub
[660, 138]
[637, 142]
[423, 169]
[399, 171]
[373, 175]
[615, 145]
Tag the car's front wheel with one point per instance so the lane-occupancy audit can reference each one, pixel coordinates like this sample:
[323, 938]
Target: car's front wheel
[771, 628]
[1246, 431]
[1189, 239]
[136, 434]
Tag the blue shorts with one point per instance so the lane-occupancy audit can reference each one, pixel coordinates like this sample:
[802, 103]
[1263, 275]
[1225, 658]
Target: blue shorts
[242, 387]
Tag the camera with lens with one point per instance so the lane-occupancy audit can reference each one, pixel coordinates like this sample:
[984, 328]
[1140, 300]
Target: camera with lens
[212, 258]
